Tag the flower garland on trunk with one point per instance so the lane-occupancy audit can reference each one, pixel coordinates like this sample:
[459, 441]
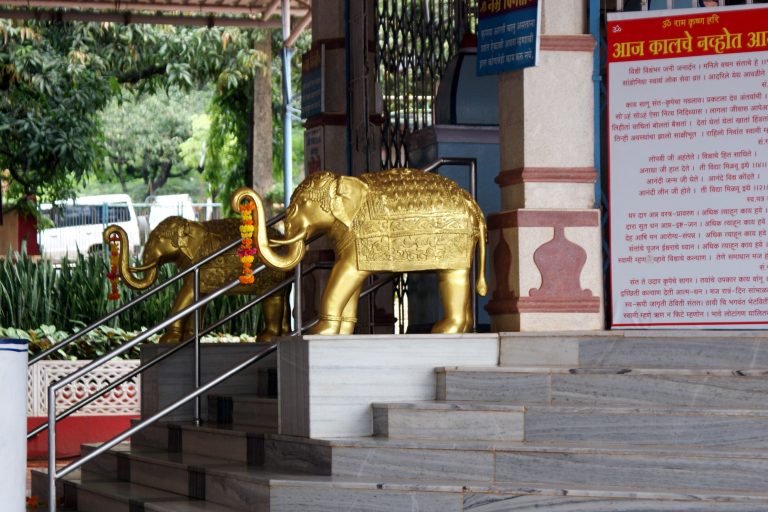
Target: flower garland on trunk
[247, 251]
[114, 259]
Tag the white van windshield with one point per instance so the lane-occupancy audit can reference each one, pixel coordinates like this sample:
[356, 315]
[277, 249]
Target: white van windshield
[79, 215]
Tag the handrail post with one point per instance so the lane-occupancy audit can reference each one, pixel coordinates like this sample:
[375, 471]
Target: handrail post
[172, 407]
[473, 191]
[197, 414]
[298, 302]
[52, 448]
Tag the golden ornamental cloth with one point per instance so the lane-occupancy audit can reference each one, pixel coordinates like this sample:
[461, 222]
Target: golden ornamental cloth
[414, 220]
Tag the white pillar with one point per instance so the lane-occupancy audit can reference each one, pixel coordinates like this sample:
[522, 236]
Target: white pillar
[545, 243]
[13, 423]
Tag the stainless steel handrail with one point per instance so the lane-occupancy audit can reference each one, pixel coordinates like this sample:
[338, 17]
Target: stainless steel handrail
[133, 373]
[53, 388]
[145, 423]
[51, 424]
[143, 297]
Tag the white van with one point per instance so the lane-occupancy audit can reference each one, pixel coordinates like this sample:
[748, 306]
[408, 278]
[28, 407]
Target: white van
[162, 207]
[79, 224]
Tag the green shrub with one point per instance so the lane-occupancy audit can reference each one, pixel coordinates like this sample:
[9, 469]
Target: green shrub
[96, 343]
[67, 297]
[92, 345]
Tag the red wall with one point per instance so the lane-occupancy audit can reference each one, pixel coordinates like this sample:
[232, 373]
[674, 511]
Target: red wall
[74, 431]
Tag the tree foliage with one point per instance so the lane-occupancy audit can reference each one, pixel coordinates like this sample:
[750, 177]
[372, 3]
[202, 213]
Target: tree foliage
[223, 134]
[55, 77]
[143, 137]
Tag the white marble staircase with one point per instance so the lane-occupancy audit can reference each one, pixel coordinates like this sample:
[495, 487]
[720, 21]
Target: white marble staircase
[593, 422]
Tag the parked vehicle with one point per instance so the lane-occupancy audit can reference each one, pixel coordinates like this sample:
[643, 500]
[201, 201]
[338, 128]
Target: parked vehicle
[78, 225]
[162, 207]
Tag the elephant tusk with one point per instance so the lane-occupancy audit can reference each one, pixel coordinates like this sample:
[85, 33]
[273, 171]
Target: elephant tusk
[142, 268]
[290, 241]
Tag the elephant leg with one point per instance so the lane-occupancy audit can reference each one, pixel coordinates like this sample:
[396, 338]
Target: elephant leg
[469, 314]
[286, 323]
[454, 294]
[344, 283]
[272, 307]
[184, 298]
[349, 314]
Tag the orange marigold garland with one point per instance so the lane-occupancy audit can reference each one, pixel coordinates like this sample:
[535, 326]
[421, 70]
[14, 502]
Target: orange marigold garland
[114, 258]
[247, 251]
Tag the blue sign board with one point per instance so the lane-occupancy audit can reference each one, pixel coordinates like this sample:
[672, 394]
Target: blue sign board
[507, 35]
[313, 82]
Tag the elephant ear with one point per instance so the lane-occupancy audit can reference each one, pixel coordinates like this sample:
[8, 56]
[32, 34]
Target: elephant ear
[183, 239]
[348, 198]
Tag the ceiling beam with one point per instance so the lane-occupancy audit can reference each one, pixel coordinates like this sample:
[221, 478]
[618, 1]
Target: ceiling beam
[271, 9]
[118, 6]
[131, 17]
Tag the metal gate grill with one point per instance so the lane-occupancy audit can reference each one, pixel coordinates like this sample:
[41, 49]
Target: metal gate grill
[416, 39]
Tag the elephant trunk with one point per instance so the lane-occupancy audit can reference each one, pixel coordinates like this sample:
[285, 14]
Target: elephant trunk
[127, 272]
[296, 247]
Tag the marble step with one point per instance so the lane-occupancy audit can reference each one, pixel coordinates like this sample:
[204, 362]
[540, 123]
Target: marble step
[83, 492]
[233, 442]
[674, 426]
[490, 421]
[66, 489]
[588, 464]
[333, 496]
[253, 410]
[637, 349]
[215, 480]
[449, 420]
[237, 488]
[641, 387]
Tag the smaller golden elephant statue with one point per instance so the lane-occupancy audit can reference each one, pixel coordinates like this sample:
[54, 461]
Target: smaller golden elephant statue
[183, 242]
[401, 220]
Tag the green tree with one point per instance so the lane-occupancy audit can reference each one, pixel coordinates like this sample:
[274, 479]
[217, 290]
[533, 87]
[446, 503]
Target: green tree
[143, 137]
[229, 135]
[55, 77]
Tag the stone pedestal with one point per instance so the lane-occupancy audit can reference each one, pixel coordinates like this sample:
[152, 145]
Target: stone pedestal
[545, 243]
[326, 384]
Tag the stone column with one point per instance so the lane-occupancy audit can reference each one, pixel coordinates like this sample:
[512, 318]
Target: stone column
[545, 243]
[261, 169]
[326, 132]
[350, 98]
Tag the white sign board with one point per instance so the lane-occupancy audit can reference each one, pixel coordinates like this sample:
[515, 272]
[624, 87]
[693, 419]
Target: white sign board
[688, 160]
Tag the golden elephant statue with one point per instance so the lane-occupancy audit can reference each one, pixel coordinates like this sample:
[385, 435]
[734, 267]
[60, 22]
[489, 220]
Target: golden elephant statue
[400, 220]
[183, 242]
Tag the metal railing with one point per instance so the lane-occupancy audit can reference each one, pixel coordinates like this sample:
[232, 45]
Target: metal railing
[471, 164]
[299, 272]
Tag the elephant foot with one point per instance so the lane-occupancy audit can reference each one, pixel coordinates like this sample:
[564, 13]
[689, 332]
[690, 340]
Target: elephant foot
[347, 325]
[171, 337]
[267, 336]
[327, 325]
[446, 326]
